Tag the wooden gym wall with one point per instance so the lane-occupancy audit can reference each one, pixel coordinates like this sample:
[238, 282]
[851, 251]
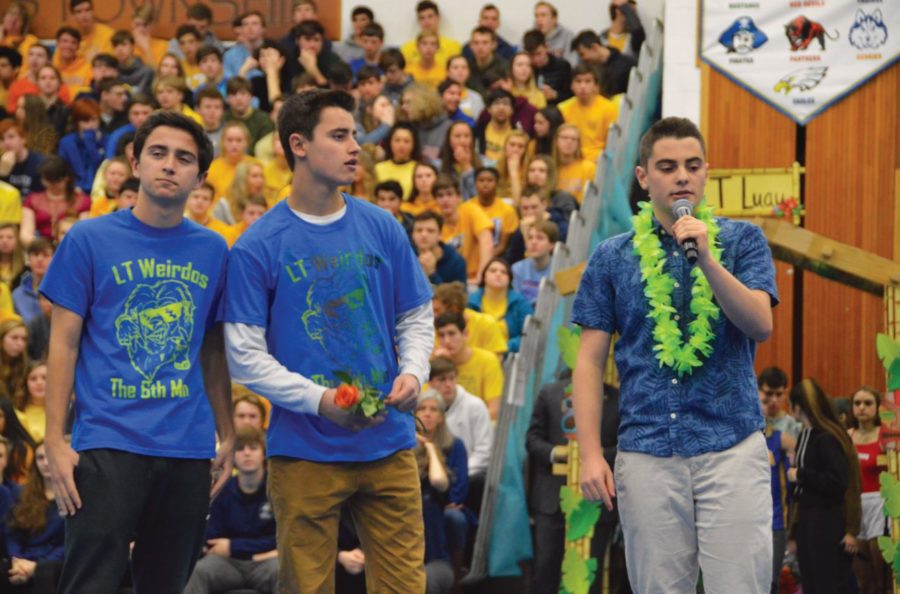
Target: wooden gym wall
[852, 194]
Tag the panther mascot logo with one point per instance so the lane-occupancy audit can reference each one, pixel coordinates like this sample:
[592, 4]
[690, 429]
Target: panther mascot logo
[156, 327]
[801, 32]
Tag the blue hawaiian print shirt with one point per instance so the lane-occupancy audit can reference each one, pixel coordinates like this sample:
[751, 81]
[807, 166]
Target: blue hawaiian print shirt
[662, 414]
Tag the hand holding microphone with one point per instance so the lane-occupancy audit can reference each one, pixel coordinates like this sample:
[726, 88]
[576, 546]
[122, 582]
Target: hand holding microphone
[684, 208]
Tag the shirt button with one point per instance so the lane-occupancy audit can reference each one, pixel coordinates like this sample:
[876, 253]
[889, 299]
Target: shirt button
[674, 381]
[673, 416]
[677, 285]
[677, 317]
[675, 253]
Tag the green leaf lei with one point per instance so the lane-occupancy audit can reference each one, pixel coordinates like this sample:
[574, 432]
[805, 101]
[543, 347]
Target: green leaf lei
[671, 348]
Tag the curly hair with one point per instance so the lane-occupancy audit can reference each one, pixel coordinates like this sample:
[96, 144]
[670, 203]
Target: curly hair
[30, 515]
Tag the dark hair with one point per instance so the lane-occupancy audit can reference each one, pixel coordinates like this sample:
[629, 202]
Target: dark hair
[444, 182]
[199, 12]
[441, 366]
[308, 29]
[40, 245]
[269, 44]
[300, 114]
[14, 57]
[55, 168]
[341, 74]
[43, 47]
[390, 185]
[586, 39]
[123, 142]
[874, 394]
[70, 31]
[486, 168]
[187, 30]
[208, 50]
[74, 3]
[427, 5]
[106, 84]
[446, 153]
[774, 377]
[498, 94]
[368, 73]
[107, 60]
[358, 10]
[544, 145]
[391, 57]
[208, 93]
[446, 84]
[482, 30]
[20, 442]
[251, 13]
[505, 264]
[238, 83]
[132, 184]
[121, 37]
[430, 215]
[450, 317]
[671, 127]
[583, 68]
[416, 154]
[373, 30]
[532, 40]
[304, 79]
[181, 122]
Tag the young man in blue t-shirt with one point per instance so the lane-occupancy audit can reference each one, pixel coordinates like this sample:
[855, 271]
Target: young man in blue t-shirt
[136, 310]
[324, 285]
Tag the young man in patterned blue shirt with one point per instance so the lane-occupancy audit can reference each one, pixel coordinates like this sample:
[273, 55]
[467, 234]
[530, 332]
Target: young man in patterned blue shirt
[692, 472]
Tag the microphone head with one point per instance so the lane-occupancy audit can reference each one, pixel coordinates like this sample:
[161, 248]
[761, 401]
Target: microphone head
[682, 208]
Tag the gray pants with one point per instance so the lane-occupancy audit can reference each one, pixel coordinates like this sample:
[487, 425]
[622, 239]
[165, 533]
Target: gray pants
[214, 573]
[712, 511]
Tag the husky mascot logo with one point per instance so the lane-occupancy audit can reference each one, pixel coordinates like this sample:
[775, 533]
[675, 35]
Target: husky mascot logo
[156, 327]
[869, 31]
[803, 79]
[742, 37]
[802, 31]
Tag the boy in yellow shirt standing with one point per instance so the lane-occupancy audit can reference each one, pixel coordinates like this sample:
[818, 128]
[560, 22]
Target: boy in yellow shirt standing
[589, 111]
[96, 38]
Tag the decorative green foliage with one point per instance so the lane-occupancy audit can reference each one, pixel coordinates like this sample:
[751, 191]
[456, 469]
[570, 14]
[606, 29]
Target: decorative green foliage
[568, 500]
[569, 338]
[889, 353]
[672, 349]
[888, 549]
[578, 573]
[890, 492]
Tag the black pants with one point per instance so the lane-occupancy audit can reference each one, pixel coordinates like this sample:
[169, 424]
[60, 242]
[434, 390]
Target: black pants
[159, 503]
[824, 568]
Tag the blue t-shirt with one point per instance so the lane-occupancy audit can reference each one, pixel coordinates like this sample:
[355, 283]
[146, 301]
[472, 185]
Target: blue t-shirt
[147, 296]
[329, 297]
[527, 278]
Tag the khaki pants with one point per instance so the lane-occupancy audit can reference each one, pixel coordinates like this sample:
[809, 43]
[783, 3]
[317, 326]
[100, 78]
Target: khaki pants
[386, 505]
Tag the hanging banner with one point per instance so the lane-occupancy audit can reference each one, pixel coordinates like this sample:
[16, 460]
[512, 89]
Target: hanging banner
[800, 56]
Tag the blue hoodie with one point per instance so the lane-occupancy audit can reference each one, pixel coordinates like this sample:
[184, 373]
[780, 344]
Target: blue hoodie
[246, 519]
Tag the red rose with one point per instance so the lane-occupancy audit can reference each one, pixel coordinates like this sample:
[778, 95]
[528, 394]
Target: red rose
[346, 396]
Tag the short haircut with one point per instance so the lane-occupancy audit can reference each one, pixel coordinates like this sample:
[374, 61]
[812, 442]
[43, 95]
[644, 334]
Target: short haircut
[487, 7]
[358, 10]
[187, 30]
[774, 377]
[368, 73]
[548, 228]
[445, 182]
[494, 74]
[373, 30]
[428, 35]
[255, 200]
[450, 318]
[552, 8]
[427, 5]
[300, 114]
[212, 194]
[106, 84]
[390, 185]
[492, 170]
[498, 94]
[250, 13]
[10, 124]
[74, 3]
[40, 245]
[303, 80]
[391, 57]
[70, 31]
[429, 215]
[208, 50]
[181, 122]
[82, 110]
[173, 82]
[121, 37]
[532, 40]
[132, 184]
[341, 74]
[140, 99]
[308, 29]
[453, 295]
[481, 30]
[586, 39]
[200, 12]
[14, 57]
[208, 93]
[296, 3]
[441, 366]
[248, 436]
[250, 398]
[583, 68]
[236, 84]
[446, 84]
[671, 127]
[41, 46]
[107, 60]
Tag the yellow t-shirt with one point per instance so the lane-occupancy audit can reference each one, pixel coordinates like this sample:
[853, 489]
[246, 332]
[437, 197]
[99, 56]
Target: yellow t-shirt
[33, 418]
[572, 178]
[504, 218]
[7, 309]
[77, 75]
[497, 310]
[10, 204]
[446, 49]
[432, 76]
[191, 114]
[534, 95]
[158, 49]
[481, 375]
[484, 332]
[402, 173]
[193, 76]
[419, 206]
[494, 139]
[98, 42]
[278, 177]
[463, 235]
[221, 174]
[593, 121]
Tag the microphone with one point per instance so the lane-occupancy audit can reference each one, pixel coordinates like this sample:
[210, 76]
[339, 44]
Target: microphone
[683, 208]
